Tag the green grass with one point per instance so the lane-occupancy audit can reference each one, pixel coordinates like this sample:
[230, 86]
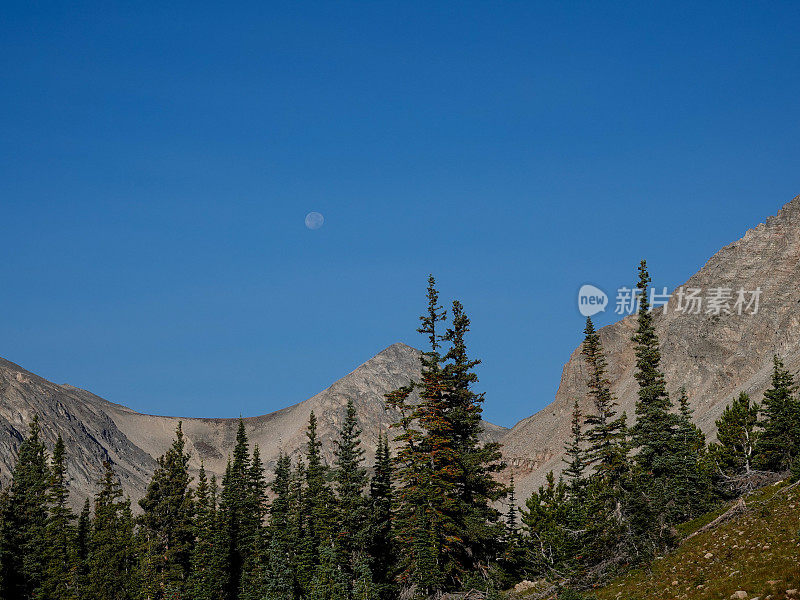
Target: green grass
[747, 553]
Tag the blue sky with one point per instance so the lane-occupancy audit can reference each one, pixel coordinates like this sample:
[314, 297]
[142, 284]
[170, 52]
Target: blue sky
[158, 163]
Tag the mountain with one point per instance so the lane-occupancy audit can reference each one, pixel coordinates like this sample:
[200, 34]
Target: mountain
[95, 429]
[713, 356]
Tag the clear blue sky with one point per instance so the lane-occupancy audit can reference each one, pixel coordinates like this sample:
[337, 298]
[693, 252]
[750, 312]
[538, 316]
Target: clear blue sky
[158, 163]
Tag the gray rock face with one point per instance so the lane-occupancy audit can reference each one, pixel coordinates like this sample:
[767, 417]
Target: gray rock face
[95, 430]
[714, 356]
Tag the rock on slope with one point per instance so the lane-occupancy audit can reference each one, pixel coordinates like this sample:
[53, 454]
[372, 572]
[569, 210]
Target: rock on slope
[95, 430]
[713, 356]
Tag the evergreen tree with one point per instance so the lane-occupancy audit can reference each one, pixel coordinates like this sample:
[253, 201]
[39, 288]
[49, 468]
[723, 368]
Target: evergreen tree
[329, 581]
[607, 456]
[737, 437]
[512, 558]
[351, 479]
[606, 433]
[476, 463]
[280, 583]
[60, 559]
[254, 578]
[654, 431]
[691, 489]
[112, 561]
[575, 455]
[548, 545]
[381, 546]
[280, 577]
[654, 436]
[82, 542]
[166, 523]
[207, 575]
[302, 554]
[779, 441]
[319, 501]
[429, 536]
[24, 521]
[236, 514]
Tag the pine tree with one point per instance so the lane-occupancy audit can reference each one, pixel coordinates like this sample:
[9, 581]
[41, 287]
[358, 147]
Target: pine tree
[329, 581]
[167, 528]
[691, 487]
[254, 577]
[351, 479]
[549, 549]
[280, 583]
[237, 520]
[60, 559]
[381, 546]
[512, 558]
[654, 437]
[737, 437]
[112, 573]
[654, 431]
[207, 575]
[575, 453]
[81, 553]
[779, 441]
[429, 536]
[606, 433]
[476, 463]
[319, 501]
[24, 521]
[280, 580]
[302, 554]
[607, 457]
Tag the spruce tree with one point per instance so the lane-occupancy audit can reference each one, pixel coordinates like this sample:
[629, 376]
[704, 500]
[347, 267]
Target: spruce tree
[544, 518]
[254, 577]
[476, 463]
[575, 454]
[207, 575]
[654, 437]
[81, 552]
[24, 521]
[351, 479]
[328, 582]
[606, 433]
[654, 431]
[737, 437]
[236, 514]
[280, 576]
[319, 501]
[430, 537]
[779, 441]
[113, 571]
[691, 488]
[166, 523]
[60, 555]
[381, 546]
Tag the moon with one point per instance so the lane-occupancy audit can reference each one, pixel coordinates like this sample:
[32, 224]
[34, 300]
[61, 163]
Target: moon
[314, 220]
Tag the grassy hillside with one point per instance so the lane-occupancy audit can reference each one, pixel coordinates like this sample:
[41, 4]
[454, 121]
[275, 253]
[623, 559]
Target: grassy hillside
[757, 551]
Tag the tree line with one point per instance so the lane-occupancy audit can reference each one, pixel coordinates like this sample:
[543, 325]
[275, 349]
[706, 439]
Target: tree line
[624, 489]
[429, 516]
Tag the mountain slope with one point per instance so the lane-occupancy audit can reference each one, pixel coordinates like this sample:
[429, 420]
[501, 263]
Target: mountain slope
[95, 430]
[714, 356]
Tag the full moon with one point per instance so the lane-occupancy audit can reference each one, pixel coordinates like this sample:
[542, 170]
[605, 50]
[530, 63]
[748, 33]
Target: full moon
[314, 220]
